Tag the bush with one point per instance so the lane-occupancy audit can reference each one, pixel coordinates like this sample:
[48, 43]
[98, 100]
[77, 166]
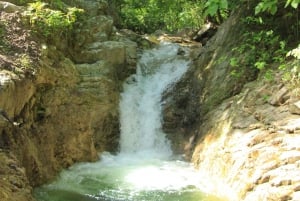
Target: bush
[148, 16]
[48, 21]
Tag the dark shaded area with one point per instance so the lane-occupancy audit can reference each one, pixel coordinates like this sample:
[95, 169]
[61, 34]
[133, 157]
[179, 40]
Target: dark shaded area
[205, 33]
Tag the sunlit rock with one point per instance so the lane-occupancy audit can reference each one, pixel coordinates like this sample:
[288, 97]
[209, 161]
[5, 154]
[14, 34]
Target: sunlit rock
[9, 7]
[67, 110]
[295, 108]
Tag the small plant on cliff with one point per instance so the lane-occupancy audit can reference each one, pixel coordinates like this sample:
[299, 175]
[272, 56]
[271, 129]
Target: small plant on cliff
[48, 21]
[24, 64]
[260, 48]
[24, 61]
[291, 74]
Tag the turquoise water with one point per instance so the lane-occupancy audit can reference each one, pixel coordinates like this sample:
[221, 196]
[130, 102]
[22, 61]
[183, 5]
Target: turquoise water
[145, 169]
[126, 178]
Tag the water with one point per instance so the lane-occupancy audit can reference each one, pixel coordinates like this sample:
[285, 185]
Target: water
[145, 169]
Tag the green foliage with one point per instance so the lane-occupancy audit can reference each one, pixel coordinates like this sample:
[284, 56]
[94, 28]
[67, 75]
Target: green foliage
[294, 53]
[293, 3]
[48, 21]
[56, 4]
[216, 8]
[24, 64]
[291, 74]
[24, 61]
[22, 2]
[213, 6]
[220, 8]
[271, 6]
[291, 77]
[170, 15]
[261, 47]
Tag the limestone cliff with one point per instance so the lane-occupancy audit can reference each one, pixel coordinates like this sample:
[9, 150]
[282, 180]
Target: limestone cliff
[58, 98]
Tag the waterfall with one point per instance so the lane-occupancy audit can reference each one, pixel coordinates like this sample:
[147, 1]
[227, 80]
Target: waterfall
[143, 170]
[141, 106]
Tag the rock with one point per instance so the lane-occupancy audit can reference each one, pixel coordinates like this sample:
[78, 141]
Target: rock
[294, 108]
[142, 41]
[68, 111]
[296, 196]
[14, 185]
[290, 156]
[96, 29]
[279, 97]
[92, 8]
[4, 117]
[17, 92]
[9, 7]
[297, 187]
[253, 156]
[111, 51]
[205, 33]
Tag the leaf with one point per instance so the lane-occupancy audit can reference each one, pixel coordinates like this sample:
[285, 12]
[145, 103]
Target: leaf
[288, 2]
[207, 4]
[234, 62]
[259, 8]
[223, 4]
[211, 10]
[294, 4]
[273, 10]
[260, 65]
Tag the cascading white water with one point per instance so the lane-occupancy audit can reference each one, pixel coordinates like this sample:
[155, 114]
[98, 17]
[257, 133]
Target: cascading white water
[144, 169]
[140, 106]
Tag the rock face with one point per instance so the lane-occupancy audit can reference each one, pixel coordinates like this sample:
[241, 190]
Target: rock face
[63, 108]
[206, 85]
[253, 145]
[14, 183]
[242, 135]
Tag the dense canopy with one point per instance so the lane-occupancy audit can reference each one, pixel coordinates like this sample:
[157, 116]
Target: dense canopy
[171, 15]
